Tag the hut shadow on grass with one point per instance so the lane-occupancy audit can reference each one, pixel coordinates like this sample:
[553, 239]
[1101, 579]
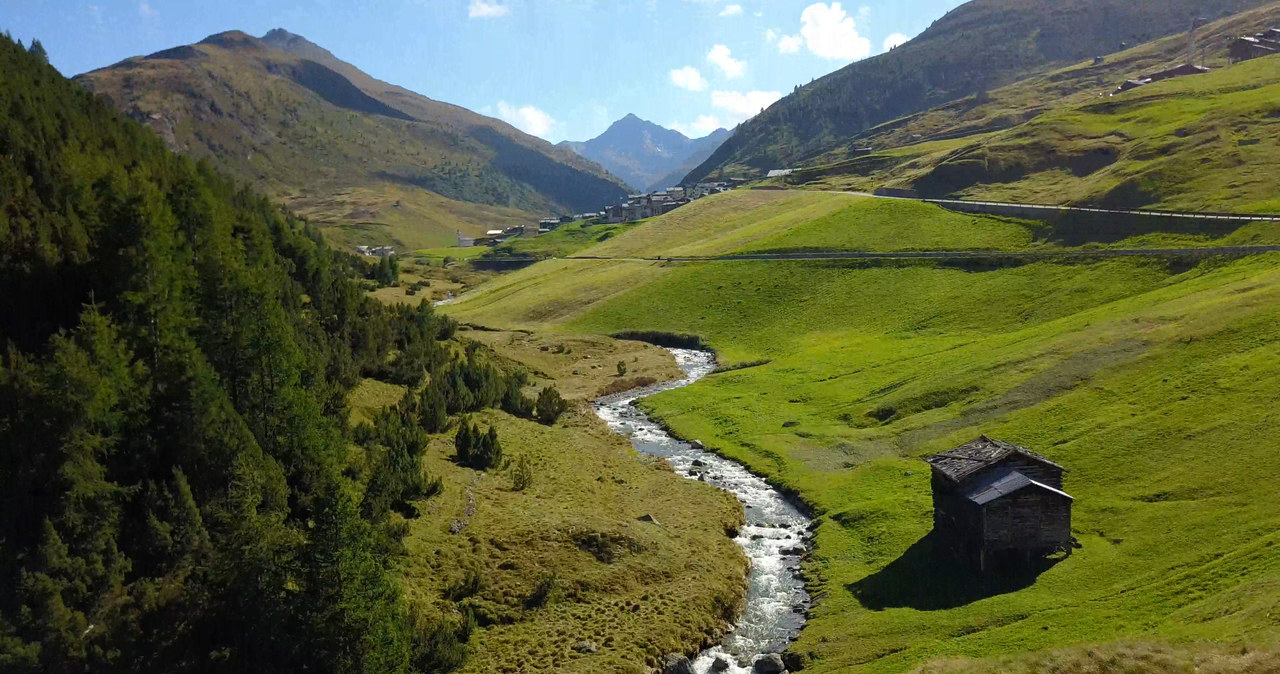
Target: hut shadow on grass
[930, 577]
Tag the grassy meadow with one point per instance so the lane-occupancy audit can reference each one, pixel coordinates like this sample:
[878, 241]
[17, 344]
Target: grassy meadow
[566, 560]
[1153, 381]
[566, 239]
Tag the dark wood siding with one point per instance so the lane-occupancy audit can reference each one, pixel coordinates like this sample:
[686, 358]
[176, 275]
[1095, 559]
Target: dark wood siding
[1030, 519]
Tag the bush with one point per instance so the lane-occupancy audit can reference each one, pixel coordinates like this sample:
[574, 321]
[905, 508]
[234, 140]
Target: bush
[622, 369]
[550, 406]
[476, 450]
[522, 478]
[542, 593]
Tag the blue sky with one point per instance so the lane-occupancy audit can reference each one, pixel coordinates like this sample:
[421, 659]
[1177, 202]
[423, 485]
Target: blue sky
[560, 69]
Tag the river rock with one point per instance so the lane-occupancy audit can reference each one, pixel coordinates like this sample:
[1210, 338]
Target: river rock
[697, 463]
[769, 664]
[721, 663]
[795, 662]
[675, 663]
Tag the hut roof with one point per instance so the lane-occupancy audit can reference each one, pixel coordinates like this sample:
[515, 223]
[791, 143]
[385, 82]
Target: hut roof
[973, 457]
[1000, 485]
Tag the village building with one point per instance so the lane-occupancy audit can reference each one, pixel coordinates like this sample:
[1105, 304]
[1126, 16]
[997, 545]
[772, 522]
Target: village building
[464, 241]
[996, 502]
[1262, 44]
[376, 251]
[1169, 73]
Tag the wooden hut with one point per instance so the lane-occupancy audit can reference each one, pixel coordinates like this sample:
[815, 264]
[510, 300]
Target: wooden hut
[994, 500]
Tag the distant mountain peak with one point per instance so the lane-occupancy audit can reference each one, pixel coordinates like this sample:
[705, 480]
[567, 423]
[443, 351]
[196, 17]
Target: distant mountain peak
[646, 155]
[281, 34]
[233, 39]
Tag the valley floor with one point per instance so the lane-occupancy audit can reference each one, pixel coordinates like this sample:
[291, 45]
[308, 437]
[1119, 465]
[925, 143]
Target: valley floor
[1153, 381]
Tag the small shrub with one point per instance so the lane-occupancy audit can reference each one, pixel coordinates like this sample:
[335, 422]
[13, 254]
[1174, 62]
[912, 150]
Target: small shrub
[542, 593]
[622, 369]
[476, 450]
[468, 586]
[522, 477]
[549, 406]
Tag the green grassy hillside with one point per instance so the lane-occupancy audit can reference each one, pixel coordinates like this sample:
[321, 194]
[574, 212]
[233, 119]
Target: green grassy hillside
[1077, 83]
[977, 47]
[373, 162]
[1207, 142]
[1153, 381]
[1199, 143]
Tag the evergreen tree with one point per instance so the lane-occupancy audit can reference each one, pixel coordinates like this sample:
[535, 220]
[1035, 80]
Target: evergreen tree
[550, 405]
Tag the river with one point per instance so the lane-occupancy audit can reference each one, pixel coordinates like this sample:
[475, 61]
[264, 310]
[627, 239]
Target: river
[772, 538]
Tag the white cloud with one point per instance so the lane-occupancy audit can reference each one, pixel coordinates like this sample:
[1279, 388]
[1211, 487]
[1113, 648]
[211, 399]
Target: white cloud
[145, 9]
[526, 118]
[789, 44]
[486, 9]
[689, 78]
[731, 67]
[770, 36]
[731, 10]
[894, 40]
[700, 127]
[830, 33]
[740, 106]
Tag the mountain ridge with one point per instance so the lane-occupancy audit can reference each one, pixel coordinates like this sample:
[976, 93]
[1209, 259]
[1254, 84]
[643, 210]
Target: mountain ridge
[371, 161]
[648, 156]
[978, 46]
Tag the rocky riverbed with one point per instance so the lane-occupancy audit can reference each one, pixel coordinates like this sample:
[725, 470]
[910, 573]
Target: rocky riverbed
[774, 537]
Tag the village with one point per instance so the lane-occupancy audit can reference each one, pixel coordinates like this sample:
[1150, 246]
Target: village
[636, 207]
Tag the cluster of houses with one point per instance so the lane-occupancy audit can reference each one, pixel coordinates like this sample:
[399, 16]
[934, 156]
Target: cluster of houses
[1167, 74]
[495, 237]
[641, 206]
[637, 207]
[376, 251]
[1262, 44]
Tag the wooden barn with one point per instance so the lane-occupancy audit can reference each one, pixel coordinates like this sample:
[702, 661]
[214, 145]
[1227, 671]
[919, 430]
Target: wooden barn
[996, 501]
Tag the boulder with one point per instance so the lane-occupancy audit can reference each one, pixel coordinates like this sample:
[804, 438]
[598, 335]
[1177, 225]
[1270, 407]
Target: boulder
[795, 662]
[769, 664]
[720, 664]
[648, 518]
[586, 647]
[697, 463]
[676, 663]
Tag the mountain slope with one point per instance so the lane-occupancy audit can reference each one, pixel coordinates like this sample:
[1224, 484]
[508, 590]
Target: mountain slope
[646, 155]
[1206, 143]
[344, 148]
[183, 490]
[981, 45]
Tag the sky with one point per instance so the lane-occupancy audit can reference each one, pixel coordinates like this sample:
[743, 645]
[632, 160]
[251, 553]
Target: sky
[558, 69]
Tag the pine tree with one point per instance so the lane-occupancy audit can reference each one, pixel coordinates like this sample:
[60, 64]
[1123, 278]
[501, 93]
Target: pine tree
[550, 405]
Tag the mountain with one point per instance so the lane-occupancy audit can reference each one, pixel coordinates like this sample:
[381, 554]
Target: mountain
[1052, 139]
[344, 149]
[646, 155]
[979, 46]
[179, 493]
[221, 455]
